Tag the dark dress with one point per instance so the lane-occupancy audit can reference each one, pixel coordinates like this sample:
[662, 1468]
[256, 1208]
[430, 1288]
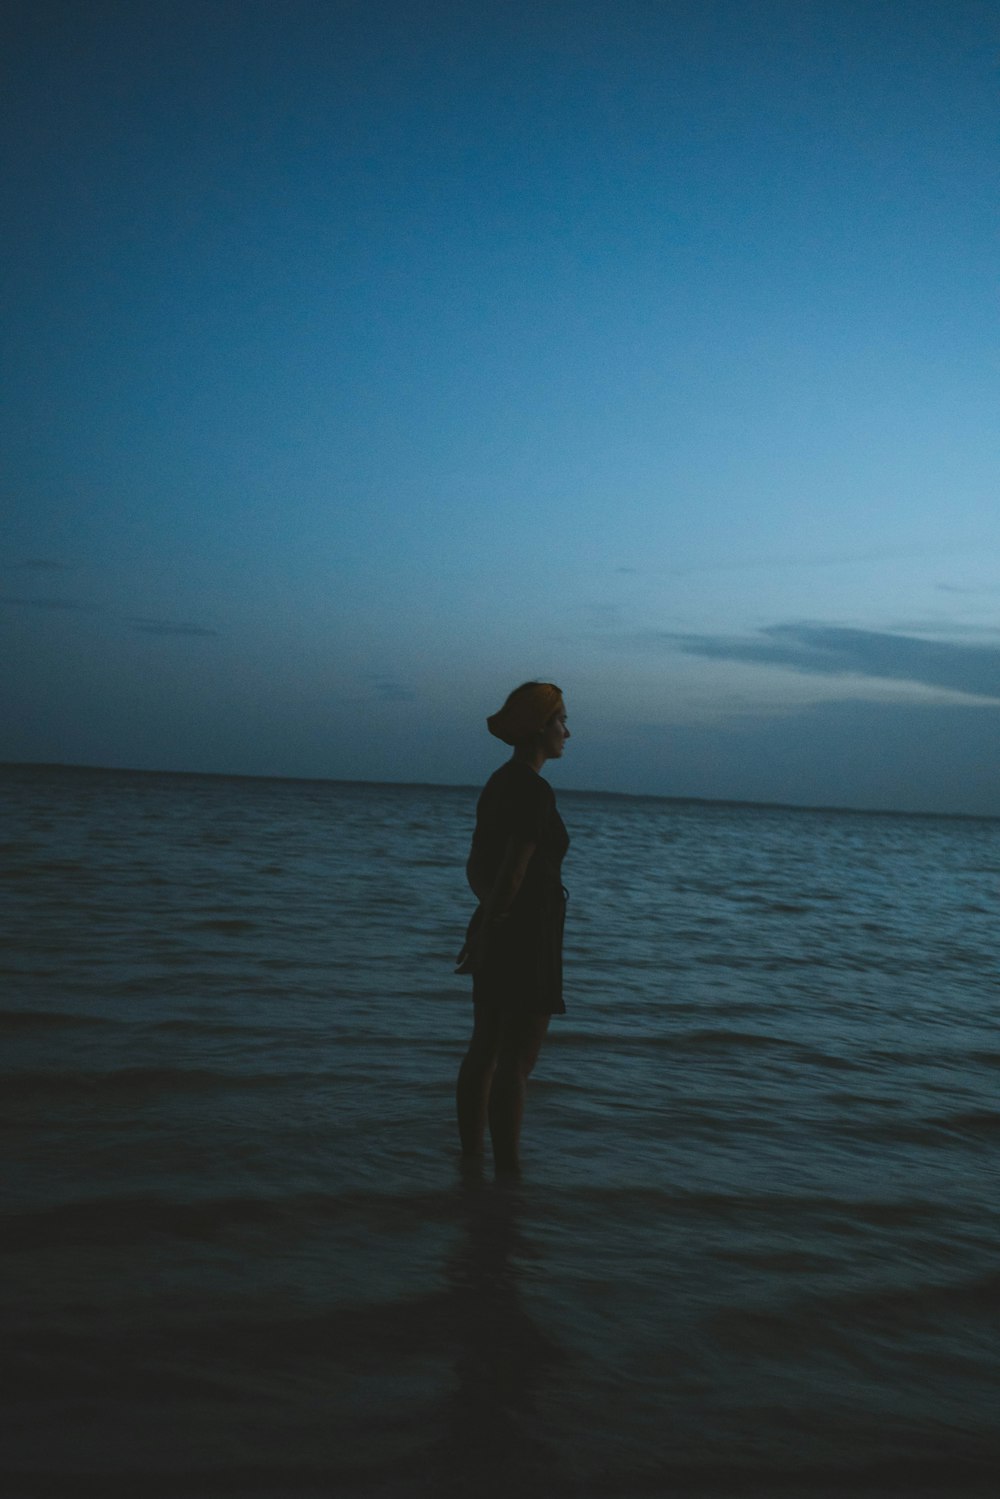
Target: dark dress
[521, 970]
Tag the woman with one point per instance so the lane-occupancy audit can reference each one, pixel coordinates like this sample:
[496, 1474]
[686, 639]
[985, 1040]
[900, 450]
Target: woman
[513, 947]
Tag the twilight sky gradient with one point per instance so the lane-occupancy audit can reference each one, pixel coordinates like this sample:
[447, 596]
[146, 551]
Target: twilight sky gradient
[365, 359]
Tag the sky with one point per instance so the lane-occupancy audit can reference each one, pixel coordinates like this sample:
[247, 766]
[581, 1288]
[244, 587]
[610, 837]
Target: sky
[363, 360]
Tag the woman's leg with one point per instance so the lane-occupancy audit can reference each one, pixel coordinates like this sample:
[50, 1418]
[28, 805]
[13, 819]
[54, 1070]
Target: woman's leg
[520, 1041]
[474, 1077]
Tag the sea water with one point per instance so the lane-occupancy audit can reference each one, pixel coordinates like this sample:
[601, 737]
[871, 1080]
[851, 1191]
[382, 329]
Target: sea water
[754, 1248]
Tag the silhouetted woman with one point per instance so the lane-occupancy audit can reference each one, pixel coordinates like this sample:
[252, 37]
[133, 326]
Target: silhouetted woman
[513, 947]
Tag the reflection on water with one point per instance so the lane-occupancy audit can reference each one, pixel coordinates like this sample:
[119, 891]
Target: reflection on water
[493, 1443]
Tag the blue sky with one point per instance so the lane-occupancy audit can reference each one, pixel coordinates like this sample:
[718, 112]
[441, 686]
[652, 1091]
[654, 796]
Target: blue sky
[365, 359]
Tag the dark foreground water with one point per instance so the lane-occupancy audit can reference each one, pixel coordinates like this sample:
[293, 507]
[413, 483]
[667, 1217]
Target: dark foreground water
[755, 1249]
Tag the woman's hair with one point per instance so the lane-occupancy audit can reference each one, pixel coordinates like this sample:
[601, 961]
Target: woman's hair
[526, 712]
[533, 683]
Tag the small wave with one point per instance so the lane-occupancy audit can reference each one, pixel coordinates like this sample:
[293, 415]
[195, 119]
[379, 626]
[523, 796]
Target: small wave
[40, 1020]
[709, 1040]
[126, 1218]
[988, 1058]
[919, 1301]
[43, 867]
[781, 1261]
[233, 925]
[895, 1132]
[671, 1040]
[983, 1122]
[22, 1085]
[765, 1205]
[116, 1219]
[215, 1028]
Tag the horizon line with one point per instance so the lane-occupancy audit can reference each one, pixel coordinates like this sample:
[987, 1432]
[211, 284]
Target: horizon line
[697, 801]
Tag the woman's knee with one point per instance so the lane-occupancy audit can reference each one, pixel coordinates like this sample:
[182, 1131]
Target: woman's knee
[521, 1044]
[481, 1056]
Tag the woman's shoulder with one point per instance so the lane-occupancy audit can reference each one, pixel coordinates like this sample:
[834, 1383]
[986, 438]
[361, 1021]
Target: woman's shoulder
[516, 782]
[515, 776]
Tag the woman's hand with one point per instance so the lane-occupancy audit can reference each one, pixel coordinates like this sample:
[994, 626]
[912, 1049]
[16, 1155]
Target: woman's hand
[474, 947]
[495, 909]
[467, 960]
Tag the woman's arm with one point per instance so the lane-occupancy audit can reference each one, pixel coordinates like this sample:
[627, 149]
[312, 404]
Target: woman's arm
[479, 882]
[513, 867]
[496, 901]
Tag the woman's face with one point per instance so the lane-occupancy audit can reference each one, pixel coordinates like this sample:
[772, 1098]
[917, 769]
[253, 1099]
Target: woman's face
[554, 735]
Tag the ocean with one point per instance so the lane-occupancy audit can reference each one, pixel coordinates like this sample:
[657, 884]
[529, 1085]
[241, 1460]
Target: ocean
[755, 1246]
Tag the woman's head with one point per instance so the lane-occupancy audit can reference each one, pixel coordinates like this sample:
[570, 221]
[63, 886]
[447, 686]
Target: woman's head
[533, 717]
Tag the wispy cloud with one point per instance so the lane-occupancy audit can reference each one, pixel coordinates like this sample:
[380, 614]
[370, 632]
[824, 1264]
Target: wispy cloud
[602, 616]
[831, 650]
[786, 562]
[168, 627]
[951, 627]
[969, 589]
[393, 692]
[143, 623]
[796, 561]
[48, 603]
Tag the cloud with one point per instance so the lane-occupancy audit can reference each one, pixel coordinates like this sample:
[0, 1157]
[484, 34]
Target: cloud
[143, 623]
[949, 627]
[393, 692]
[897, 756]
[601, 616]
[48, 603]
[831, 650]
[168, 627]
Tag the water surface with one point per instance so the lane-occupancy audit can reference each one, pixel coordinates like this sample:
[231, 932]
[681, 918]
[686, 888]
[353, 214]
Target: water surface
[754, 1250]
